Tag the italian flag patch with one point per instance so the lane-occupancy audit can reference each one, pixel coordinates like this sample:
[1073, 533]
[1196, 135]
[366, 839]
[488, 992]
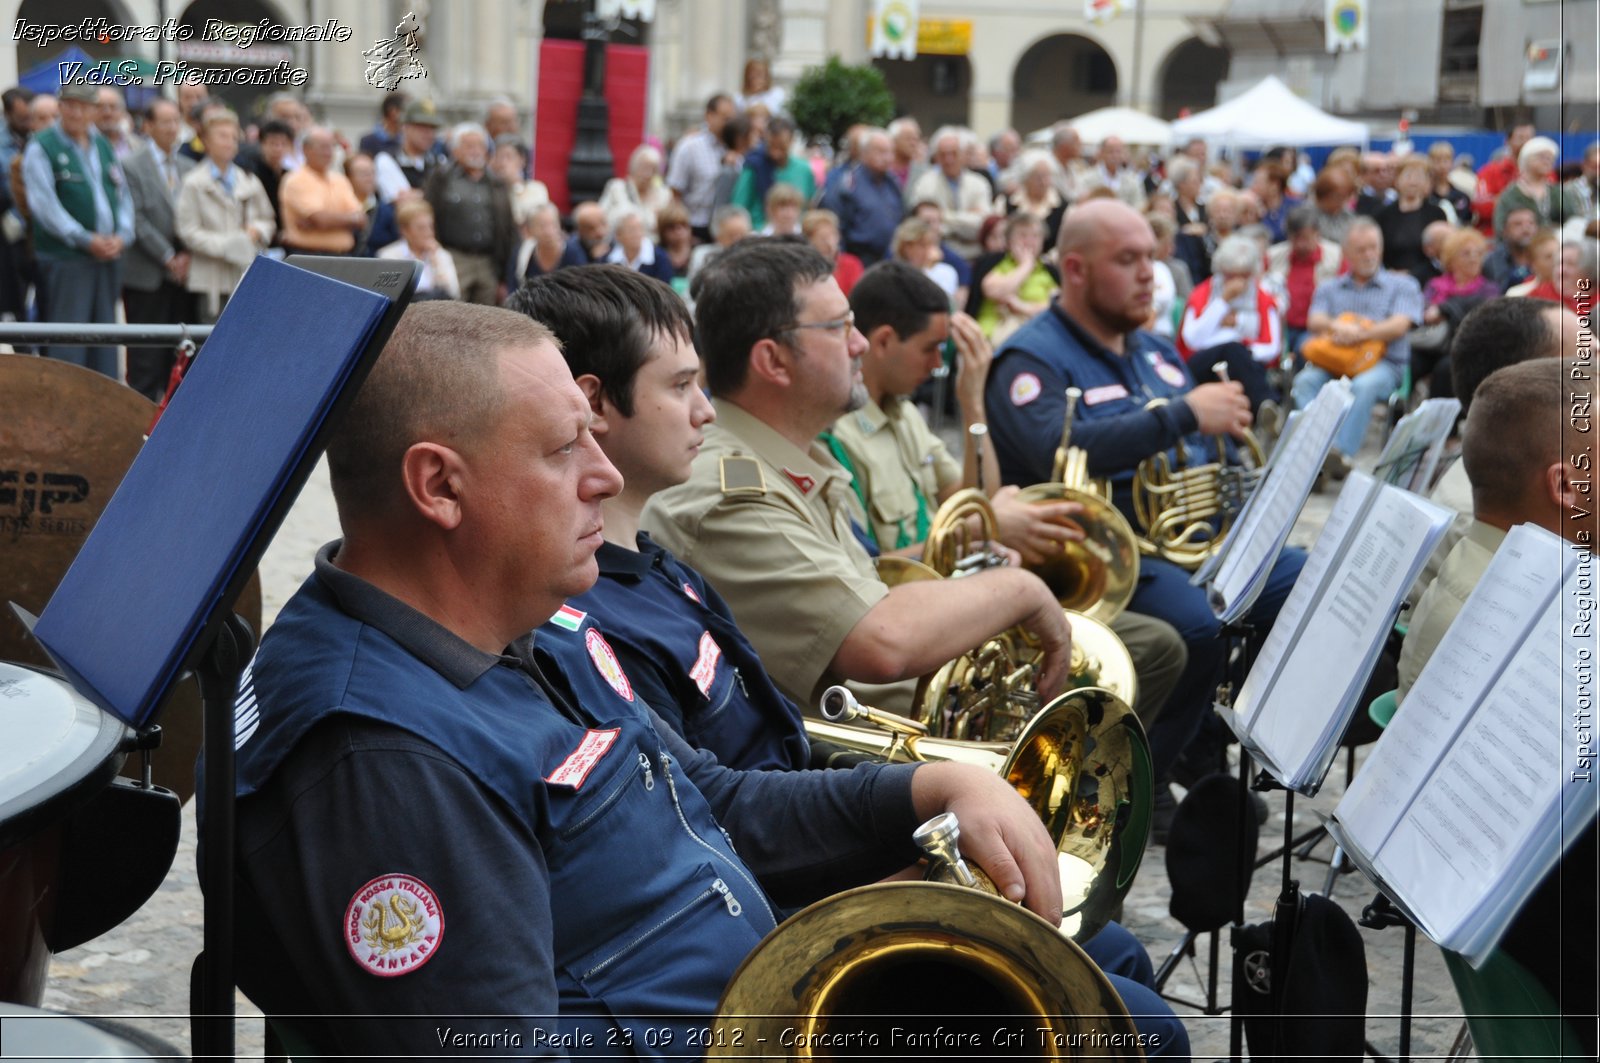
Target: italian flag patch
[569, 618]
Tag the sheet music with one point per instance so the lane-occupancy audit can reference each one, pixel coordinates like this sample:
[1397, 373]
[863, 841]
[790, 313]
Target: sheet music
[1269, 661]
[1334, 652]
[1262, 528]
[1479, 809]
[1412, 452]
[1516, 587]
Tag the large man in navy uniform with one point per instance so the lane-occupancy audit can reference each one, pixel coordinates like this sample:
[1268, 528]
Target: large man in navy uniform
[440, 835]
[1091, 338]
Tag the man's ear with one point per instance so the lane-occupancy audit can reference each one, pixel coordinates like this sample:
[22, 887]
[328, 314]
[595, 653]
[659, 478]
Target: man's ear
[599, 405]
[433, 476]
[879, 339]
[1560, 488]
[772, 362]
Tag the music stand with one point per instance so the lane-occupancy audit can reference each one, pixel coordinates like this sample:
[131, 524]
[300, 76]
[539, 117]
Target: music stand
[285, 360]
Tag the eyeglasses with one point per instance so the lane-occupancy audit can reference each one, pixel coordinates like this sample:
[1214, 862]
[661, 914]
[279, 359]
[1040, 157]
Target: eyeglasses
[837, 325]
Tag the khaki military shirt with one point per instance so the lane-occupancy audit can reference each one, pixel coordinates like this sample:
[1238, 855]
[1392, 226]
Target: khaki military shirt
[1444, 599]
[900, 468]
[769, 525]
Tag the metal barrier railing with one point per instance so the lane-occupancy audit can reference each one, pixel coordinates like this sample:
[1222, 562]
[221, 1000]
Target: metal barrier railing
[70, 334]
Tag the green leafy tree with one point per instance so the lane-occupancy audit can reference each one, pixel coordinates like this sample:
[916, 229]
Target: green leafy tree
[831, 98]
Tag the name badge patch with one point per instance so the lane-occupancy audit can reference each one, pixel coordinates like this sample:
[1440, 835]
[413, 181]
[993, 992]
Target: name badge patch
[1095, 396]
[705, 665]
[393, 925]
[581, 761]
[606, 663]
[1025, 387]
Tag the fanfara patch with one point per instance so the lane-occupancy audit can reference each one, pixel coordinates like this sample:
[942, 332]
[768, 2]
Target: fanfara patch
[606, 663]
[1170, 373]
[705, 665]
[581, 761]
[688, 589]
[1025, 388]
[393, 925]
[1095, 396]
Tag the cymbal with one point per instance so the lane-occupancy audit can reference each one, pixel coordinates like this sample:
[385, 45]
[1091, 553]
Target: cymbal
[67, 437]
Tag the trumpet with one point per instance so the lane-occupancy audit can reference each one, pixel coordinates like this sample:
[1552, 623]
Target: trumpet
[1082, 763]
[1095, 577]
[1187, 510]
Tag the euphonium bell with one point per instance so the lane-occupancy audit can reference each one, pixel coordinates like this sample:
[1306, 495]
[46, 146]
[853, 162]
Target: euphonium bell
[918, 969]
[1186, 511]
[1096, 577]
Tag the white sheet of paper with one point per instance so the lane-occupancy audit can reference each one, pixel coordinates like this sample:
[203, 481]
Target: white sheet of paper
[1476, 812]
[1516, 587]
[1413, 449]
[1349, 624]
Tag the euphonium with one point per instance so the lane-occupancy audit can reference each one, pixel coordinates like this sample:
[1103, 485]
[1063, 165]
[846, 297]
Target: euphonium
[1097, 576]
[1185, 511]
[1083, 764]
[918, 969]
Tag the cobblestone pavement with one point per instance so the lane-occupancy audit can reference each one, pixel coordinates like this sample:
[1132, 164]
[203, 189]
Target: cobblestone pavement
[141, 969]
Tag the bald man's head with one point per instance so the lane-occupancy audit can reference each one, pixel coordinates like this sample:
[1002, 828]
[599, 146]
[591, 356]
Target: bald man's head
[1107, 267]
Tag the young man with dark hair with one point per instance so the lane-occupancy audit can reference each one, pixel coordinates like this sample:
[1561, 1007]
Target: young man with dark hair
[629, 343]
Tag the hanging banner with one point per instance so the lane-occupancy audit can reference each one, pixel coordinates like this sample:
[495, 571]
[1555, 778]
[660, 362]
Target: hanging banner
[1346, 22]
[894, 29]
[1100, 11]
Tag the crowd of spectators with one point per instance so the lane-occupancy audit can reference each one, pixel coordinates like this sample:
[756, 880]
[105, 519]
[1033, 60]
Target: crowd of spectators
[155, 216]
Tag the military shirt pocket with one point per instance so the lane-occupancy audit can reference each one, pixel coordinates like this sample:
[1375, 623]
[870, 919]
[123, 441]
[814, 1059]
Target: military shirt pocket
[894, 510]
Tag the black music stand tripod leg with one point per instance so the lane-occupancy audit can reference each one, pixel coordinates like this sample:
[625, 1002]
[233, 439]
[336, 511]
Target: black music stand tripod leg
[211, 980]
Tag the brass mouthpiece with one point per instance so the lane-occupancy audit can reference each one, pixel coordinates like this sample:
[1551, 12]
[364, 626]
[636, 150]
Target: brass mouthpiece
[838, 705]
[938, 838]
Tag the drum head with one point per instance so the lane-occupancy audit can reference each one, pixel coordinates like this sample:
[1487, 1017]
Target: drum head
[67, 437]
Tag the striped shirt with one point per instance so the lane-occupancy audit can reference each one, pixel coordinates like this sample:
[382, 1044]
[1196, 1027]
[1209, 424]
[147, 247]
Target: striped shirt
[1384, 295]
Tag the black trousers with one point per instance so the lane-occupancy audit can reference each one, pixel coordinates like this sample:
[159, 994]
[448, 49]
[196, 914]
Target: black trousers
[149, 367]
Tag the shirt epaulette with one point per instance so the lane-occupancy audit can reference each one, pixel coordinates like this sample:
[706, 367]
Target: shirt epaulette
[742, 475]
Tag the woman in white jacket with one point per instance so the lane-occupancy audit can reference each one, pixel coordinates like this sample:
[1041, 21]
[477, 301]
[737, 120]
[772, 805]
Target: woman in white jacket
[224, 216]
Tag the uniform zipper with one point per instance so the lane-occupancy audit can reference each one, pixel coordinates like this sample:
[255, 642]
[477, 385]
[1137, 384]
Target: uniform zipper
[649, 776]
[717, 888]
[672, 788]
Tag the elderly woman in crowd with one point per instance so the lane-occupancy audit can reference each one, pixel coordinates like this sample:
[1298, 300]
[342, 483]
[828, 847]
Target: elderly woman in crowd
[642, 189]
[1532, 188]
[675, 240]
[224, 217]
[1231, 317]
[1018, 286]
[1189, 242]
[1448, 298]
[1036, 194]
[417, 243]
[1331, 193]
[631, 247]
[1404, 220]
[543, 244]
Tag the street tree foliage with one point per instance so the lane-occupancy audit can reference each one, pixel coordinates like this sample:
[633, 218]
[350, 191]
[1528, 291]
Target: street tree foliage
[831, 98]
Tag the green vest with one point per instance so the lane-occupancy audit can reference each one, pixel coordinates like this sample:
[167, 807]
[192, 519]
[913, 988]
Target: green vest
[72, 188]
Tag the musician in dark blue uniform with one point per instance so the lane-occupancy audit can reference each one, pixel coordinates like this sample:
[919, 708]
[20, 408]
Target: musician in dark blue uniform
[630, 344]
[1092, 338]
[443, 842]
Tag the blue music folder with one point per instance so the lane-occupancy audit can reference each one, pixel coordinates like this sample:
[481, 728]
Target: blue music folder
[194, 513]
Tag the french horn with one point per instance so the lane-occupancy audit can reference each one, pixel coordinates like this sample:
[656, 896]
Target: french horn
[1095, 577]
[1082, 763]
[1184, 510]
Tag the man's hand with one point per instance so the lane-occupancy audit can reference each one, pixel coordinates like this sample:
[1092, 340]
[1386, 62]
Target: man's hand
[1035, 530]
[1220, 407]
[973, 358]
[999, 832]
[1048, 623]
[103, 247]
[1347, 333]
[178, 267]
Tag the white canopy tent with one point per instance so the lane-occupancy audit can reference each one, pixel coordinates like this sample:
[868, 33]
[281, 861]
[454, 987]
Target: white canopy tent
[1134, 127]
[1268, 115]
